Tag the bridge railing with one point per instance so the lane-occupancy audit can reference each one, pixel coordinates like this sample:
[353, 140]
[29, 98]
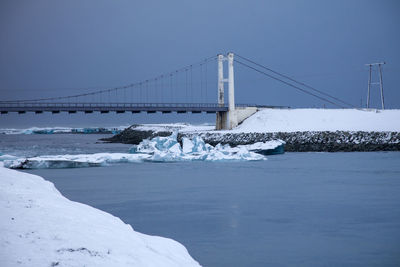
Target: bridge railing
[117, 104]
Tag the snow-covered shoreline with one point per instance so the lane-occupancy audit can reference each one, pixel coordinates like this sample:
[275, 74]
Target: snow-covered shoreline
[40, 227]
[328, 130]
[339, 141]
[321, 120]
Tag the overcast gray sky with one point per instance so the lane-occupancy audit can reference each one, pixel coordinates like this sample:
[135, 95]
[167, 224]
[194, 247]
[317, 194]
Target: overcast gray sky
[51, 48]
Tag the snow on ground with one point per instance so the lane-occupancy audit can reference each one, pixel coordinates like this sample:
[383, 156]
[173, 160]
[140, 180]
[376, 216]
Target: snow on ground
[172, 127]
[292, 120]
[40, 227]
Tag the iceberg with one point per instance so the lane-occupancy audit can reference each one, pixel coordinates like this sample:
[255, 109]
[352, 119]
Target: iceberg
[167, 149]
[158, 149]
[267, 148]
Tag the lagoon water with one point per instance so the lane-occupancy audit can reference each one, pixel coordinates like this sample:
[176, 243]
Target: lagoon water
[295, 209]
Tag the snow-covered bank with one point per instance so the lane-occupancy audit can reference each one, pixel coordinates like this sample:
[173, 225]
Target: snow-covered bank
[302, 120]
[302, 130]
[40, 227]
[312, 141]
[174, 127]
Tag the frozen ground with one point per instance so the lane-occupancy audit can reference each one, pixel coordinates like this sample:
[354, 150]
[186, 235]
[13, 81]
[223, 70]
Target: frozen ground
[265, 120]
[181, 127]
[40, 227]
[293, 120]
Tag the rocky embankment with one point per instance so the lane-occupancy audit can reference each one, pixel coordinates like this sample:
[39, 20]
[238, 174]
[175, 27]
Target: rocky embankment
[305, 141]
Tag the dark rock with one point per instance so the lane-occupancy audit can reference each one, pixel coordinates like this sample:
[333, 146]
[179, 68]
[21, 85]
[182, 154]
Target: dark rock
[131, 136]
[344, 141]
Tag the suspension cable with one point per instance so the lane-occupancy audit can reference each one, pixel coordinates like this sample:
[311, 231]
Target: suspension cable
[293, 80]
[115, 88]
[287, 83]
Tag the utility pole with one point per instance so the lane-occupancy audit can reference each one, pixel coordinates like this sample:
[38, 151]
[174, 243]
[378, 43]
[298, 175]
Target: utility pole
[379, 65]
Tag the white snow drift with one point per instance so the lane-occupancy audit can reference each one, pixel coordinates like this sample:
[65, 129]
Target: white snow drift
[40, 227]
[292, 120]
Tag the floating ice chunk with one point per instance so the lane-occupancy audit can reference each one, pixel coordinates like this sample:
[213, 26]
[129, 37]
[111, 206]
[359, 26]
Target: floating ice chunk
[173, 153]
[209, 147]
[156, 144]
[187, 145]
[159, 149]
[74, 161]
[175, 149]
[225, 149]
[146, 146]
[7, 157]
[199, 145]
[264, 145]
[267, 148]
[162, 156]
[167, 149]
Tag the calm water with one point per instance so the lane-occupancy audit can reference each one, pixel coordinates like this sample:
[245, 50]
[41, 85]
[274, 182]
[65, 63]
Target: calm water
[296, 209]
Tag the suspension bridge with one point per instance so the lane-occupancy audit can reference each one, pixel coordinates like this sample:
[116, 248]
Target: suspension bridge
[189, 89]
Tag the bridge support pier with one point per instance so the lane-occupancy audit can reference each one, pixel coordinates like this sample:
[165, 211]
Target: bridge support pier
[222, 119]
[240, 114]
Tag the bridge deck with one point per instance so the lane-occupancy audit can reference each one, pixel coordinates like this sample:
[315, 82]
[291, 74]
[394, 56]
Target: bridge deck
[37, 107]
[23, 107]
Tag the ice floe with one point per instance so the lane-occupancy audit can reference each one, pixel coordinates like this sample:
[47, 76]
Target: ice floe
[158, 149]
[58, 130]
[169, 149]
[7, 157]
[73, 161]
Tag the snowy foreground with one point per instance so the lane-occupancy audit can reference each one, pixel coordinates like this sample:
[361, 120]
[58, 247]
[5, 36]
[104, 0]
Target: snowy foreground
[302, 120]
[40, 227]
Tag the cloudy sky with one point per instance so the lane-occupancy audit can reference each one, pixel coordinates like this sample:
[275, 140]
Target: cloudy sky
[57, 48]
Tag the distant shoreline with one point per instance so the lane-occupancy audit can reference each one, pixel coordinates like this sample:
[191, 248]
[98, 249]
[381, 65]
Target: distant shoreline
[304, 141]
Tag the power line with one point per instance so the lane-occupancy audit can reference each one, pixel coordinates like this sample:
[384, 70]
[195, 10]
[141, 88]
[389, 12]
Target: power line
[294, 86]
[293, 80]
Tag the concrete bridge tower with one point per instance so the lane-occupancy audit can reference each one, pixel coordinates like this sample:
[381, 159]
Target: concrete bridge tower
[226, 120]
